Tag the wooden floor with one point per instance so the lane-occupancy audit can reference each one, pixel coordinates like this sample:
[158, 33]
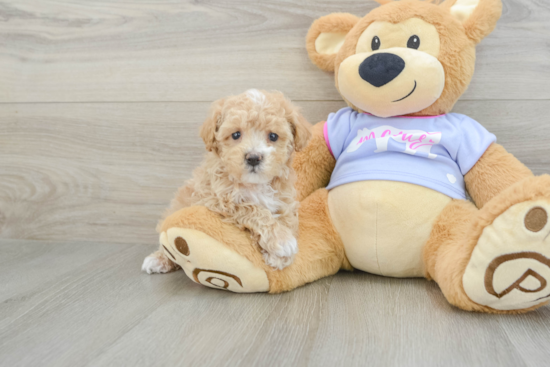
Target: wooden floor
[80, 304]
[100, 103]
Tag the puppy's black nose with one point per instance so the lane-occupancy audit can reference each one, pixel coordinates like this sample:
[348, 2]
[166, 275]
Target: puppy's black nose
[253, 159]
[380, 69]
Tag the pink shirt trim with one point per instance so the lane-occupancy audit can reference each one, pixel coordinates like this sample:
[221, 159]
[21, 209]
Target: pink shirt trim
[411, 117]
[325, 133]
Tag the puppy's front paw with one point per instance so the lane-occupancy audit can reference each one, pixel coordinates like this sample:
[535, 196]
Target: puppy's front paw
[277, 262]
[157, 263]
[287, 247]
[279, 251]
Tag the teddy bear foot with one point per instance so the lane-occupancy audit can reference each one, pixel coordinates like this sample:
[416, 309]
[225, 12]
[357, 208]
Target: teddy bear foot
[510, 266]
[208, 262]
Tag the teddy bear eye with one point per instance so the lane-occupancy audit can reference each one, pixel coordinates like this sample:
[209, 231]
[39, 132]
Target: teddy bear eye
[375, 44]
[236, 135]
[273, 137]
[414, 42]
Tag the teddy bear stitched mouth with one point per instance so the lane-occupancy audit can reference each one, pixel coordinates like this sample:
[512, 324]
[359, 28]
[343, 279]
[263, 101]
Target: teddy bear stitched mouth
[408, 95]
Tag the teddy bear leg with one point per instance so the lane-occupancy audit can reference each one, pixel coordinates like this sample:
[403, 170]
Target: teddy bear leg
[320, 248]
[219, 255]
[212, 252]
[496, 259]
[446, 255]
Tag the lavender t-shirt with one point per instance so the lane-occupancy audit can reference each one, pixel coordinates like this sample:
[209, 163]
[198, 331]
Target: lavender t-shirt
[434, 151]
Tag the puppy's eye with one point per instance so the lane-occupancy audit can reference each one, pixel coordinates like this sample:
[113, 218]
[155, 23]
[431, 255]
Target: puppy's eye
[273, 137]
[375, 44]
[236, 135]
[414, 42]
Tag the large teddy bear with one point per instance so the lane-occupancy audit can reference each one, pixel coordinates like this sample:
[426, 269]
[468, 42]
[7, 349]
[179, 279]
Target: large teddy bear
[383, 183]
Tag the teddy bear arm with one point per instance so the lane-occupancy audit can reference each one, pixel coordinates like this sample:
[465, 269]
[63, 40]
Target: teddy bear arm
[314, 164]
[495, 171]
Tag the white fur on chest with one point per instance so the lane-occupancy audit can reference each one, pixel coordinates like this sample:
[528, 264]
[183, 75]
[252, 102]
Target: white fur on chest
[261, 195]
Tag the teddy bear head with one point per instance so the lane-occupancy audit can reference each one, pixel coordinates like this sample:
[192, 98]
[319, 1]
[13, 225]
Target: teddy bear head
[407, 57]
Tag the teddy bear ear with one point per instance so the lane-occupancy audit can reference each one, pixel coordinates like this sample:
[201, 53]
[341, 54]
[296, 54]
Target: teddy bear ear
[479, 17]
[326, 36]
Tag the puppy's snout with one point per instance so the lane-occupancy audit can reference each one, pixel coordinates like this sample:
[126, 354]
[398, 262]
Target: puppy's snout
[253, 159]
[380, 69]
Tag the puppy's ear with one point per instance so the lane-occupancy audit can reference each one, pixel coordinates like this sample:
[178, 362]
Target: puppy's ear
[211, 125]
[301, 128]
[326, 36]
[479, 17]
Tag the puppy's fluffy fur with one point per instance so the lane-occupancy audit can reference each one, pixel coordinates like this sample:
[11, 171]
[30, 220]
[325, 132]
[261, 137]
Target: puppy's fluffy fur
[247, 175]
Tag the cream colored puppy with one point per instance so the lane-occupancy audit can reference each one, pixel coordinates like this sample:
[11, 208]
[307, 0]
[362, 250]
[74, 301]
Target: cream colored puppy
[247, 175]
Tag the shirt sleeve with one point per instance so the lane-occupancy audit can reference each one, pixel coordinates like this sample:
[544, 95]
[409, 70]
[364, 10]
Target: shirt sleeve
[475, 141]
[336, 130]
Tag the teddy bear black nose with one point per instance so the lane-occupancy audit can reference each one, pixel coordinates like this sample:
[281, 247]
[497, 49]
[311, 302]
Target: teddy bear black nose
[380, 69]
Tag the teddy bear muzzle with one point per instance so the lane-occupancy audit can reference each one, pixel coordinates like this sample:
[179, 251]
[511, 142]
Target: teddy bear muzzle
[393, 82]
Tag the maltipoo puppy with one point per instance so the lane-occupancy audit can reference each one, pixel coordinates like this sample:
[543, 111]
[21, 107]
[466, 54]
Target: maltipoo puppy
[247, 175]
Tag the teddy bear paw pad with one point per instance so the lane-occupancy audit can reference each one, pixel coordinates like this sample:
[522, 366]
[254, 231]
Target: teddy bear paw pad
[510, 265]
[208, 262]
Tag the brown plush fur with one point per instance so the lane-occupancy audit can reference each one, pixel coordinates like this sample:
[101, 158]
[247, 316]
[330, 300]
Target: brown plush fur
[321, 249]
[313, 165]
[484, 19]
[445, 250]
[457, 232]
[495, 171]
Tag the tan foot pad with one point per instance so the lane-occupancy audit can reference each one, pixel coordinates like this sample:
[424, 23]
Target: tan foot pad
[510, 266]
[208, 262]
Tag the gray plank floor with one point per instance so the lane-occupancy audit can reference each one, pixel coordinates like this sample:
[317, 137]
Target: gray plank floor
[78, 303]
[100, 103]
